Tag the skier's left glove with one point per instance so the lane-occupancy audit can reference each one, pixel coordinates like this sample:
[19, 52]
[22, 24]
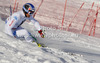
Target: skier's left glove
[41, 33]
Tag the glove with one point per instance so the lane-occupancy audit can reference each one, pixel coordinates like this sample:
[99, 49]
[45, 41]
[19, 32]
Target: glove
[41, 33]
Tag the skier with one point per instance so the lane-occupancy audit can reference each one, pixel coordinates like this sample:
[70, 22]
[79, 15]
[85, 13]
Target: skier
[14, 22]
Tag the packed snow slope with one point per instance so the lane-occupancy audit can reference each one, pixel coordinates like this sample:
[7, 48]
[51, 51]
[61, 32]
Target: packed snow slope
[63, 47]
[19, 51]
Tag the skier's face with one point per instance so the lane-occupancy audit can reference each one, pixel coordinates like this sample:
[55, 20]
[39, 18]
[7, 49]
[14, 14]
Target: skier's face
[27, 15]
[30, 13]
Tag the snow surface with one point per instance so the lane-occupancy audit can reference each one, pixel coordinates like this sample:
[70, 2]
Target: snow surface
[63, 47]
[16, 51]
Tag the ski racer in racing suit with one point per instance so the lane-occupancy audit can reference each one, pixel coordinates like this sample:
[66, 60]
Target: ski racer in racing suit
[14, 22]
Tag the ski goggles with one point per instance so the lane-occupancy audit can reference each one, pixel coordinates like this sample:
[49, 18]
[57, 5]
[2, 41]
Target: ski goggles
[30, 12]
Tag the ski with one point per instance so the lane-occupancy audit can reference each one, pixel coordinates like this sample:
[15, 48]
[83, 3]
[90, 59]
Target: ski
[38, 44]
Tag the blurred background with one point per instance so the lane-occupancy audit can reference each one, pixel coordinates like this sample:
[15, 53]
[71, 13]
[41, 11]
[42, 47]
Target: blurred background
[50, 14]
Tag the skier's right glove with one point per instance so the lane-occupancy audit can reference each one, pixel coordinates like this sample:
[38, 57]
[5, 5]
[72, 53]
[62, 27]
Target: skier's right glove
[41, 33]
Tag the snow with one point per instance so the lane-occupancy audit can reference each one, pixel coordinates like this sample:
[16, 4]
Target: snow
[63, 46]
[16, 51]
